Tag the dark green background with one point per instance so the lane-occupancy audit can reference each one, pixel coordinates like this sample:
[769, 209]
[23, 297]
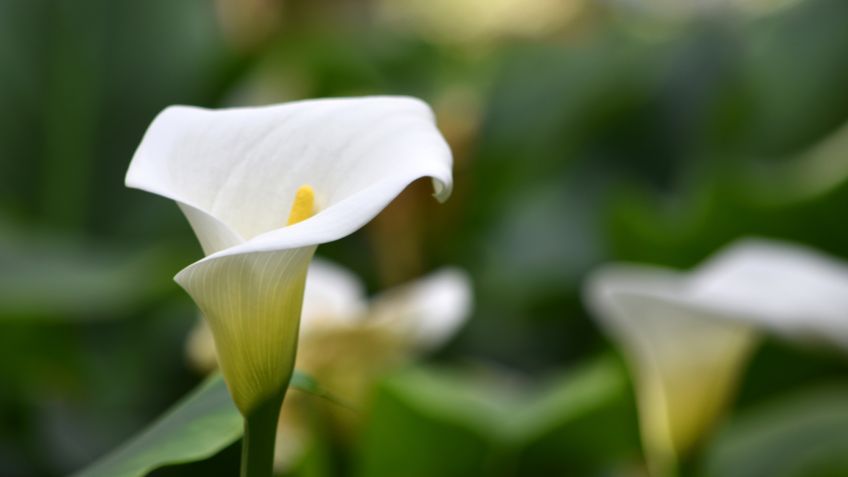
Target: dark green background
[617, 137]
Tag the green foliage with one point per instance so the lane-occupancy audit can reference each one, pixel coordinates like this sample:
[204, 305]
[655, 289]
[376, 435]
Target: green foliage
[82, 283]
[446, 422]
[611, 139]
[426, 423]
[197, 427]
[582, 423]
[200, 425]
[804, 434]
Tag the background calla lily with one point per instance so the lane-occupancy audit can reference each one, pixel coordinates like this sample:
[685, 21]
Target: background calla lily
[347, 341]
[236, 173]
[687, 335]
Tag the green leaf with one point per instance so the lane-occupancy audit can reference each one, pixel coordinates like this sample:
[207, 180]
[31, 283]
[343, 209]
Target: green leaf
[479, 423]
[199, 426]
[581, 423]
[308, 384]
[803, 435]
[428, 422]
[62, 279]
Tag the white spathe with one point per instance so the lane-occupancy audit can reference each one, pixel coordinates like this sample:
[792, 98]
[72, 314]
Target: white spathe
[235, 172]
[428, 311]
[423, 313]
[686, 336]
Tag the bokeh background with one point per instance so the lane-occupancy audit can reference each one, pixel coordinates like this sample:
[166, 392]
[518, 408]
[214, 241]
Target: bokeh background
[584, 131]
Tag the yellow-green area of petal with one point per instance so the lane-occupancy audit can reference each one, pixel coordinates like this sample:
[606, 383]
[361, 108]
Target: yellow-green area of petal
[303, 206]
[252, 303]
[684, 392]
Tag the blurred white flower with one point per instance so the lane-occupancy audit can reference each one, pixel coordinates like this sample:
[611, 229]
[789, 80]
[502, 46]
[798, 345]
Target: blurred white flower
[329, 166]
[481, 21]
[347, 341]
[686, 336]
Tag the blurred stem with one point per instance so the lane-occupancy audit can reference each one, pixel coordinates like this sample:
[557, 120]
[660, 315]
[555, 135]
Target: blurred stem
[260, 433]
[685, 471]
[690, 466]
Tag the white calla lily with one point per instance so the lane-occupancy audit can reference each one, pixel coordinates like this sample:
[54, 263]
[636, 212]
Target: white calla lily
[687, 335]
[262, 188]
[427, 311]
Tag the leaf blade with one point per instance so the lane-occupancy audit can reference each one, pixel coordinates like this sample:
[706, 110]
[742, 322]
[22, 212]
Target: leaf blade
[197, 427]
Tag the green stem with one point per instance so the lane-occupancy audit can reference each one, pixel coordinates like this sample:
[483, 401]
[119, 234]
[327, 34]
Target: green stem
[260, 433]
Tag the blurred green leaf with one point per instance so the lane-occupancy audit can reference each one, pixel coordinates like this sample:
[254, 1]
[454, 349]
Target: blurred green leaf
[483, 424]
[581, 423]
[800, 198]
[308, 384]
[50, 277]
[800, 436]
[197, 427]
[427, 422]
[796, 77]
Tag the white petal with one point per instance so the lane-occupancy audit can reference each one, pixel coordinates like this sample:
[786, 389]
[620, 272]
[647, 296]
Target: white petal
[686, 335]
[427, 311]
[686, 359]
[213, 235]
[788, 289]
[333, 296]
[241, 167]
[252, 303]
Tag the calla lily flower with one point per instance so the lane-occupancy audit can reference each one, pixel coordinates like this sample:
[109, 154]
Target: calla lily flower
[347, 341]
[686, 336]
[262, 188]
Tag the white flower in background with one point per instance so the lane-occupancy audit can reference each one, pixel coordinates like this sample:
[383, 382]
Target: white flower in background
[686, 336]
[347, 341]
[481, 21]
[262, 188]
